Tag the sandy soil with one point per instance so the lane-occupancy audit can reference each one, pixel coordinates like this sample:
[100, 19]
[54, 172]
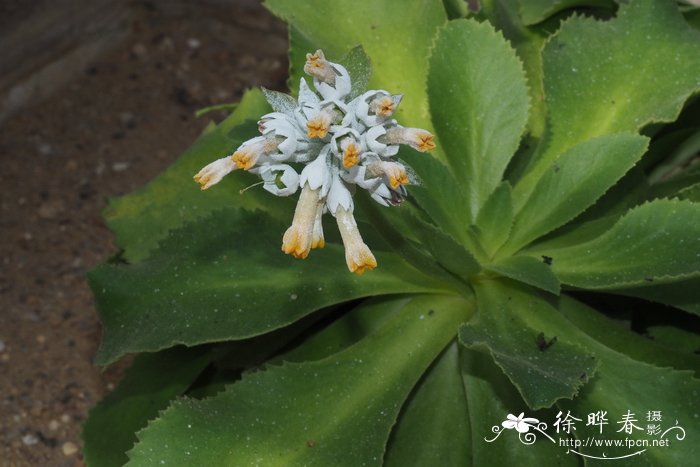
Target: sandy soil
[120, 123]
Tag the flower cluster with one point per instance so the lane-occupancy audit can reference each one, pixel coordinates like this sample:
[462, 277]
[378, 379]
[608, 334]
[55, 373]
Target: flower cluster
[340, 145]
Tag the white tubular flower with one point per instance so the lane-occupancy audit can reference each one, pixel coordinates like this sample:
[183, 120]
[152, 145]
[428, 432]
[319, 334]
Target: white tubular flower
[375, 107]
[280, 179]
[358, 256]
[373, 140]
[317, 240]
[418, 139]
[298, 238]
[347, 146]
[331, 80]
[319, 125]
[290, 139]
[317, 174]
[386, 196]
[339, 196]
[328, 145]
[394, 172]
[214, 172]
[248, 153]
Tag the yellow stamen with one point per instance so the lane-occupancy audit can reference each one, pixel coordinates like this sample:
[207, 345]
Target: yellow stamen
[203, 180]
[317, 127]
[425, 142]
[294, 243]
[244, 159]
[397, 179]
[314, 60]
[385, 107]
[351, 156]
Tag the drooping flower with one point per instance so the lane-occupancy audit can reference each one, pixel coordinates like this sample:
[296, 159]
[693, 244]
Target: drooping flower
[327, 146]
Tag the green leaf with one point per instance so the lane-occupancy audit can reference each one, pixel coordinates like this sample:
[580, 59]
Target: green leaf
[614, 336]
[337, 410]
[677, 339]
[535, 11]
[491, 397]
[683, 294]
[623, 384]
[139, 220]
[148, 386]
[528, 42]
[495, 219]
[529, 270]
[657, 242]
[573, 183]
[451, 255]
[225, 278]
[479, 105]
[456, 8]
[360, 69]
[685, 151]
[604, 77]
[433, 428]
[438, 193]
[395, 37]
[515, 331]
[279, 101]
[357, 324]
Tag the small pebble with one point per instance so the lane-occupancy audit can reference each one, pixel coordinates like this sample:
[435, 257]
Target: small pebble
[139, 50]
[65, 418]
[54, 425]
[69, 448]
[45, 149]
[194, 43]
[120, 166]
[29, 439]
[40, 339]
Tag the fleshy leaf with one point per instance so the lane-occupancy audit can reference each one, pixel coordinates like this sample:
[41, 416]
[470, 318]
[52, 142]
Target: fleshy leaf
[360, 69]
[624, 385]
[683, 294]
[341, 407]
[573, 183]
[433, 428]
[397, 39]
[209, 282]
[148, 386]
[495, 220]
[528, 43]
[611, 334]
[491, 397]
[446, 251]
[140, 219]
[280, 102]
[529, 270]
[479, 104]
[614, 76]
[543, 366]
[354, 326]
[657, 242]
[535, 11]
[438, 193]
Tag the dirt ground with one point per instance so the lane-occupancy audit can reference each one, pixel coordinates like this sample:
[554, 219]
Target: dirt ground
[120, 123]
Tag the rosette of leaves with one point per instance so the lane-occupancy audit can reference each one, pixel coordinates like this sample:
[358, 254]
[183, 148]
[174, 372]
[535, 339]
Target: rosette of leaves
[558, 217]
